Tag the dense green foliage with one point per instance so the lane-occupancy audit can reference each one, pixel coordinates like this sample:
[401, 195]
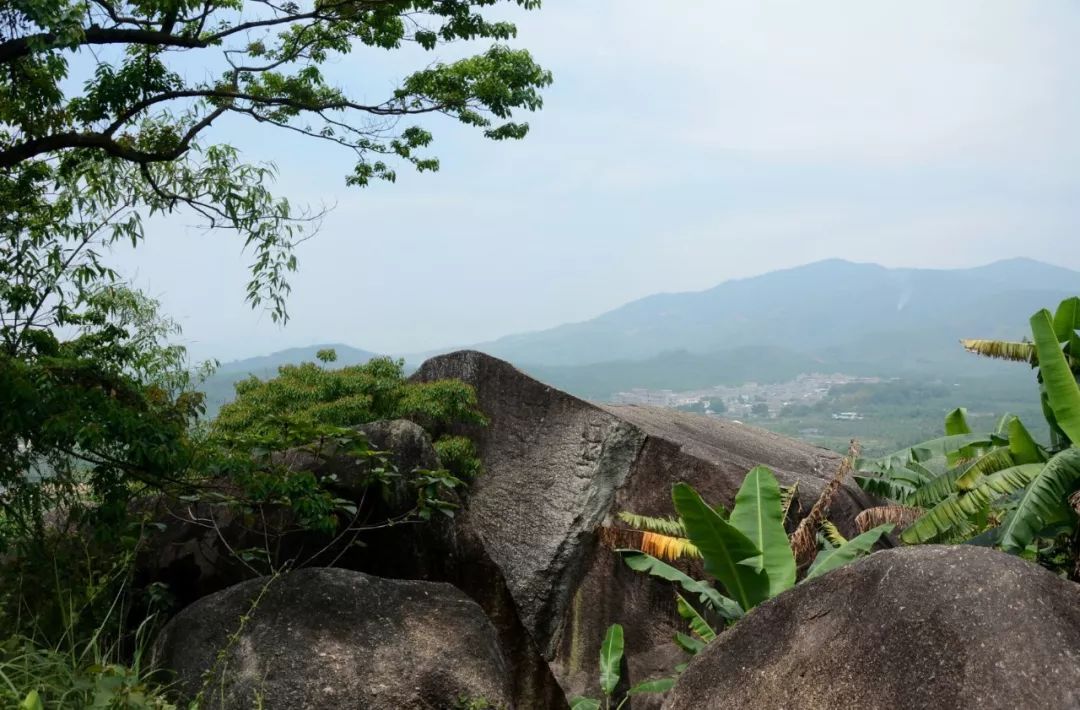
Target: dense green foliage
[346, 396]
[1000, 487]
[305, 399]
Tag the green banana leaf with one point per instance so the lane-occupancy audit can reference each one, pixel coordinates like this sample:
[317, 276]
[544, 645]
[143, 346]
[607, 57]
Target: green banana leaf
[642, 562]
[1022, 444]
[945, 446]
[1045, 498]
[697, 622]
[688, 643]
[611, 653]
[936, 490]
[1062, 392]
[992, 461]
[723, 548]
[759, 515]
[884, 488]
[956, 510]
[1067, 320]
[828, 560]
[956, 422]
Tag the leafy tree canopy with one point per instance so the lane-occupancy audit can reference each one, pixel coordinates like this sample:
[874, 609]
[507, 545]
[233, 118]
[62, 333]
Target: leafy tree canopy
[136, 136]
[309, 394]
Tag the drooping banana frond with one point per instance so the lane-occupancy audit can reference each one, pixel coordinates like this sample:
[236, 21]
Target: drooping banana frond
[648, 523]
[957, 510]
[804, 540]
[899, 515]
[832, 533]
[667, 547]
[936, 490]
[1047, 494]
[788, 496]
[1003, 350]
[698, 625]
[992, 462]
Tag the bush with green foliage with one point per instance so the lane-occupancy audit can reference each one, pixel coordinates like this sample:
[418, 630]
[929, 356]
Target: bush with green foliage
[1002, 487]
[315, 394]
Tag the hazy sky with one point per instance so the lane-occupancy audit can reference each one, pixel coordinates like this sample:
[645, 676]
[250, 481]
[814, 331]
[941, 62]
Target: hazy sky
[683, 143]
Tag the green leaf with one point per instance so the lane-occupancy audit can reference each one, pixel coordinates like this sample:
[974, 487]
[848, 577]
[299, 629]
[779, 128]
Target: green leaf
[1059, 383]
[688, 643]
[854, 548]
[936, 490]
[956, 510]
[32, 701]
[697, 622]
[1044, 498]
[1067, 320]
[759, 515]
[641, 562]
[611, 653]
[657, 685]
[580, 703]
[1022, 445]
[944, 447]
[956, 422]
[723, 547]
[991, 462]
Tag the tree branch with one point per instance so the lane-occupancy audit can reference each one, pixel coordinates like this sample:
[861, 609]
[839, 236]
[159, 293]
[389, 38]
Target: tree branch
[23, 46]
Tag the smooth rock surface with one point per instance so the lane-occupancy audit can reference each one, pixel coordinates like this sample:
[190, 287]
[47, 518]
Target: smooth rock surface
[556, 468]
[914, 627]
[333, 638]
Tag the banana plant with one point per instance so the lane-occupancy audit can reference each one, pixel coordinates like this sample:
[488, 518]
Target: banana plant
[747, 553]
[999, 487]
[611, 655]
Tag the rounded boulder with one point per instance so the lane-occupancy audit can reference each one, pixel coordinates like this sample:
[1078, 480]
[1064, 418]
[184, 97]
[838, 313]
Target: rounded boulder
[917, 627]
[334, 638]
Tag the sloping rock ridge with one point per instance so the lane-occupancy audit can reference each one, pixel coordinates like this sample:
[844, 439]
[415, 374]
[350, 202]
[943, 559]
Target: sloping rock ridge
[915, 627]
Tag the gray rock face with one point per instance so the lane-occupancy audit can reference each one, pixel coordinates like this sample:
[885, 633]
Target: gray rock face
[332, 638]
[916, 627]
[556, 468]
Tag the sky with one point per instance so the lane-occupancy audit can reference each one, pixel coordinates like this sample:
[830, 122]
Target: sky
[682, 144]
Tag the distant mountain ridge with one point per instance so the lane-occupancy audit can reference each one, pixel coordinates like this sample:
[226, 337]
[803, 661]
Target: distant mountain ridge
[824, 309]
[828, 316]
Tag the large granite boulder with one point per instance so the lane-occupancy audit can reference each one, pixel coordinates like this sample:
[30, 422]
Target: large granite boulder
[333, 638]
[916, 627]
[556, 468]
